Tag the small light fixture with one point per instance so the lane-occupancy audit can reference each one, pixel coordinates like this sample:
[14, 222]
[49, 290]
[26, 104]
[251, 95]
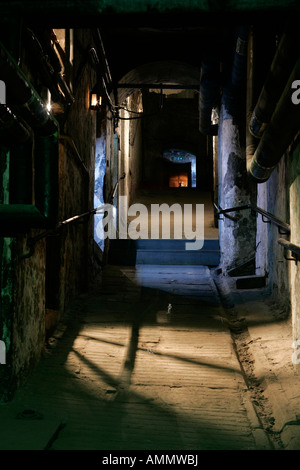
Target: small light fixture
[48, 105]
[95, 100]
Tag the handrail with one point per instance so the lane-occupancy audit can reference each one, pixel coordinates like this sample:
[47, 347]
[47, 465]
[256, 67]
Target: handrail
[283, 227]
[271, 218]
[31, 242]
[80, 162]
[219, 210]
[288, 246]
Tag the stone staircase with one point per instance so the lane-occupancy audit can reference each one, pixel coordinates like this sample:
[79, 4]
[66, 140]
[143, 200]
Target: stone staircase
[162, 252]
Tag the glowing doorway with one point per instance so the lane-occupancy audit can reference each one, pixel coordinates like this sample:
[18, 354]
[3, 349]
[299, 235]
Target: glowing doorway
[179, 156]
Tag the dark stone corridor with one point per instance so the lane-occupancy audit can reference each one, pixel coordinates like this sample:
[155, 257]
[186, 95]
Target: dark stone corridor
[149, 226]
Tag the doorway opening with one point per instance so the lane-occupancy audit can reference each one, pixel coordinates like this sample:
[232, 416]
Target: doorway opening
[181, 168]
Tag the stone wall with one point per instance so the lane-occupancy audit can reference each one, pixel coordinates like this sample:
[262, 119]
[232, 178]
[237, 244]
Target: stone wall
[273, 196]
[36, 290]
[295, 236]
[135, 149]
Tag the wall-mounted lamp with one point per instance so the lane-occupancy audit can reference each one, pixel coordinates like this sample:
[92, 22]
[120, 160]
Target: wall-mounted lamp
[95, 100]
[48, 105]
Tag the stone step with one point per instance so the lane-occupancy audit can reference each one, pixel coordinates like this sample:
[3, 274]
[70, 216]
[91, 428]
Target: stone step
[162, 252]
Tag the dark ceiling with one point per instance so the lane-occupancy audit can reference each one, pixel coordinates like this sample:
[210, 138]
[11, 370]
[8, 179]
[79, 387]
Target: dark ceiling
[131, 41]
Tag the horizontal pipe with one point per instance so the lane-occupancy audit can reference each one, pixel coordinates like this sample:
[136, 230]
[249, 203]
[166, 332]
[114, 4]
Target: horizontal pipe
[22, 97]
[42, 212]
[12, 129]
[280, 70]
[17, 218]
[279, 133]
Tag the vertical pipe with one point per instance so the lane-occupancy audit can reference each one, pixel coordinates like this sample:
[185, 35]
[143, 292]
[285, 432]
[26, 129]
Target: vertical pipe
[21, 178]
[46, 176]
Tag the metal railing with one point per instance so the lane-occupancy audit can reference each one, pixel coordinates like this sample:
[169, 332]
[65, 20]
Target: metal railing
[267, 217]
[288, 246]
[32, 241]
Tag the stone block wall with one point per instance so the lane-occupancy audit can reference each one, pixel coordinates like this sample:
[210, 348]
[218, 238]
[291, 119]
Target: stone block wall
[36, 290]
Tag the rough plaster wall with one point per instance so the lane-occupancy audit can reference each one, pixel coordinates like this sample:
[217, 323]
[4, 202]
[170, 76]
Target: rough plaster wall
[215, 168]
[109, 158]
[273, 197]
[295, 238]
[234, 190]
[29, 309]
[100, 168]
[262, 233]
[73, 238]
[6, 312]
[124, 127]
[135, 155]
[77, 192]
[7, 249]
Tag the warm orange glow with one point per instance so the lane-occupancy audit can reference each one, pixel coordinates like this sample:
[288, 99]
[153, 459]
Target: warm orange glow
[95, 100]
[179, 181]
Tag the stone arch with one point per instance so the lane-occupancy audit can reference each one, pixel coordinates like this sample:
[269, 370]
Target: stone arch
[164, 72]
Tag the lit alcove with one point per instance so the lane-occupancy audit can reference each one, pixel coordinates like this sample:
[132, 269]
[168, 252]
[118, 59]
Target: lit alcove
[100, 167]
[182, 172]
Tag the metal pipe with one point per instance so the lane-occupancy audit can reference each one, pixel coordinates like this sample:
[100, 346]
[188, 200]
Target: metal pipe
[100, 47]
[12, 129]
[234, 89]
[22, 97]
[279, 133]
[17, 218]
[281, 67]
[46, 177]
[252, 74]
[46, 69]
[21, 174]
[43, 212]
[54, 61]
